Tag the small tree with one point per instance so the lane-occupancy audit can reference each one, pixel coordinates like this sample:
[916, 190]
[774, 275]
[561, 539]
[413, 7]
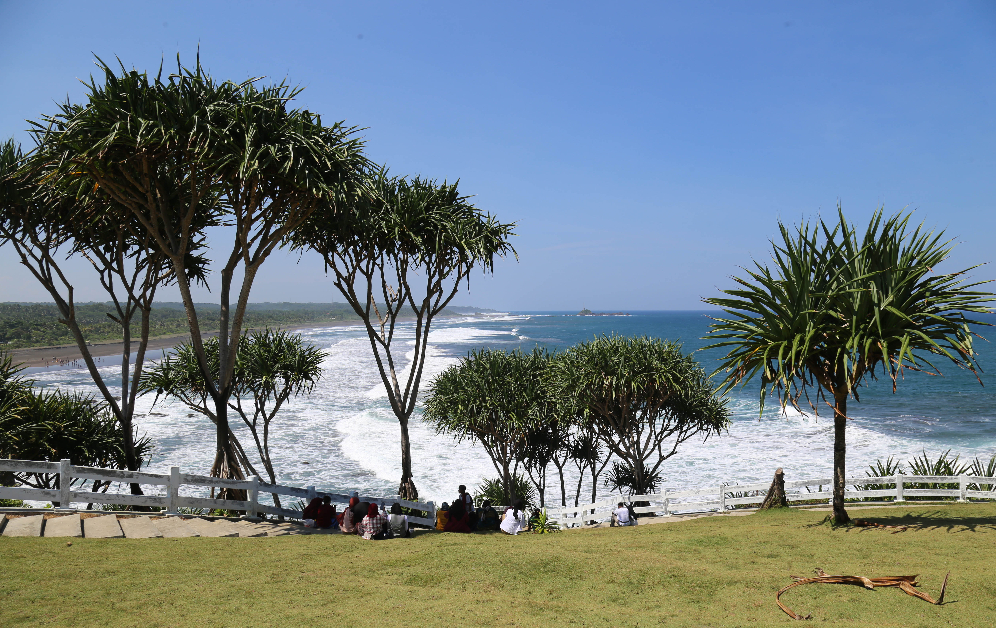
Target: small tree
[409, 243]
[643, 398]
[271, 367]
[836, 307]
[491, 398]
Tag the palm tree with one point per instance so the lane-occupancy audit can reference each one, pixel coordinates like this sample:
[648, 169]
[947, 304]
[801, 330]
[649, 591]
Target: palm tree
[641, 396]
[270, 368]
[838, 309]
[407, 244]
[495, 398]
[182, 153]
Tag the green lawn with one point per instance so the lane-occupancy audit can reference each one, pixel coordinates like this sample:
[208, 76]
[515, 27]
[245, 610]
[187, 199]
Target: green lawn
[717, 571]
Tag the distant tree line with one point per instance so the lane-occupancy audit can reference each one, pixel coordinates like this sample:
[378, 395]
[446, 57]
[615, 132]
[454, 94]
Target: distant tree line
[38, 324]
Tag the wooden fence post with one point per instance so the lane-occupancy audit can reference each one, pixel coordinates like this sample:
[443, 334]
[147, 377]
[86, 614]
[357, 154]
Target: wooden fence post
[962, 488]
[173, 491]
[722, 498]
[312, 493]
[65, 479]
[254, 496]
[667, 503]
[899, 487]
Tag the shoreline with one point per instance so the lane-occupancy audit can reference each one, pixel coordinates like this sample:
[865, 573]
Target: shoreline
[63, 355]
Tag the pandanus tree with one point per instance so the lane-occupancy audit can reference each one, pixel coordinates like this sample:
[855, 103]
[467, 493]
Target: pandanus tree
[271, 367]
[491, 397]
[642, 397]
[181, 153]
[407, 244]
[49, 226]
[837, 309]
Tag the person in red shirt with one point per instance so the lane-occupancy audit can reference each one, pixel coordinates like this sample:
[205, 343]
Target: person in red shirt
[459, 521]
[311, 511]
[326, 513]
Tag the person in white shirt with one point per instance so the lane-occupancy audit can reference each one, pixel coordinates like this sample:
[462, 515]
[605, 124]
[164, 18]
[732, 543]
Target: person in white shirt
[515, 520]
[621, 516]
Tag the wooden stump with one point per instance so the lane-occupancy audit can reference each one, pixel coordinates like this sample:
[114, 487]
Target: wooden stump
[776, 494]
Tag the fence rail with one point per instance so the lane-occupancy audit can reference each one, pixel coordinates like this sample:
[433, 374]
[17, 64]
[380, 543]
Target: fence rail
[65, 495]
[728, 496]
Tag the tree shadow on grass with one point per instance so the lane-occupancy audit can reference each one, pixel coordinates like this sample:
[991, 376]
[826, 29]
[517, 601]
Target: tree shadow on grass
[935, 520]
[915, 521]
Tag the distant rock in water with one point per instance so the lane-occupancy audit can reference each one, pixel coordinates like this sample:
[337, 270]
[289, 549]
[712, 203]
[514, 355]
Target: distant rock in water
[587, 312]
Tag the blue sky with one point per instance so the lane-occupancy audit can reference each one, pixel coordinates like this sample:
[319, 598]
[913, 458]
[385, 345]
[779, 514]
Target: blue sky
[645, 150]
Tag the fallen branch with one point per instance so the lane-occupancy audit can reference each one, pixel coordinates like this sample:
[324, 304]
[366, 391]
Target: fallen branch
[906, 583]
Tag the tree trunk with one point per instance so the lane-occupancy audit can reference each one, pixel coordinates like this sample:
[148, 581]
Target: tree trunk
[226, 462]
[776, 494]
[507, 484]
[407, 488]
[840, 516]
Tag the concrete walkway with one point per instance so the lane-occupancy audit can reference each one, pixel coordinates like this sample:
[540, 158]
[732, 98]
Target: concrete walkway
[98, 526]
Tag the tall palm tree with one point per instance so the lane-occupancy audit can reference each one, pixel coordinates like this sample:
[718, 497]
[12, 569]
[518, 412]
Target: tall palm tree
[838, 309]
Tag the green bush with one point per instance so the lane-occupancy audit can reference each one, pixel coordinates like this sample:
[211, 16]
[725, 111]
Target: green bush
[494, 491]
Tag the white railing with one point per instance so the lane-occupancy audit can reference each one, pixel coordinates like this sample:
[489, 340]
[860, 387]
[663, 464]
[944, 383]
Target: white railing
[172, 501]
[722, 498]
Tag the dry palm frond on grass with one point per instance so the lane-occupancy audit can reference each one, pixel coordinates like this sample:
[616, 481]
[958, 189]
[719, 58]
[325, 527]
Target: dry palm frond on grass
[906, 583]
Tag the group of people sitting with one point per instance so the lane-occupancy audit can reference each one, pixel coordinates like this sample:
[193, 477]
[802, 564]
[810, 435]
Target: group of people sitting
[461, 516]
[361, 518]
[370, 522]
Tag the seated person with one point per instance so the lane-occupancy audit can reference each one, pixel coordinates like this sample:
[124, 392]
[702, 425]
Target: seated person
[360, 511]
[442, 516]
[621, 516]
[488, 516]
[311, 510]
[325, 517]
[373, 525]
[458, 520]
[399, 522]
[514, 520]
[346, 523]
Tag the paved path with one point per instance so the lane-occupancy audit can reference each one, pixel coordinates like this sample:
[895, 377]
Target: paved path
[96, 526]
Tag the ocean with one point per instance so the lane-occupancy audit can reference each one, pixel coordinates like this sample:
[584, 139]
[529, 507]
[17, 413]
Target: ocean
[343, 436]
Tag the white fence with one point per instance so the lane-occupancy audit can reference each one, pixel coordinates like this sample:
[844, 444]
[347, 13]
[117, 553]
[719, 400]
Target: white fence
[729, 496]
[172, 501]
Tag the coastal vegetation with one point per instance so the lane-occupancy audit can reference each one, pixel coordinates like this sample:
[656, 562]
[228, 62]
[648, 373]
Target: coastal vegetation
[713, 571]
[132, 179]
[270, 368]
[838, 309]
[56, 425]
[24, 325]
[638, 398]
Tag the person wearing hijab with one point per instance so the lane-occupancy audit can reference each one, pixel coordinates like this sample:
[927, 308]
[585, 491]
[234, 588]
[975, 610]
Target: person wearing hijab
[515, 518]
[372, 526]
[459, 520]
[346, 524]
[442, 516]
[399, 522]
[325, 516]
[311, 510]
[488, 517]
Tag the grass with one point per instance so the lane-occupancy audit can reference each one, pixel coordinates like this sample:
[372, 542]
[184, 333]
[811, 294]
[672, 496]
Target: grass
[716, 571]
